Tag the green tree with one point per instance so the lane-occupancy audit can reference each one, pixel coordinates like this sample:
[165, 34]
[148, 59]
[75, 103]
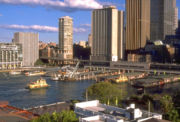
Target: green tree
[68, 116]
[39, 62]
[173, 115]
[64, 116]
[105, 92]
[166, 103]
[170, 112]
[43, 118]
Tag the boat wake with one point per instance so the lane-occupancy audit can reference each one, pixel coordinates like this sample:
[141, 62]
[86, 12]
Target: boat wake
[21, 90]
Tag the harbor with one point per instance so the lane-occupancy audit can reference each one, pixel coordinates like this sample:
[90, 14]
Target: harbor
[12, 87]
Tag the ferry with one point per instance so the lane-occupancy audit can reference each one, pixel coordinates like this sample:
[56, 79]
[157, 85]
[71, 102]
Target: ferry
[13, 72]
[121, 79]
[40, 83]
[35, 73]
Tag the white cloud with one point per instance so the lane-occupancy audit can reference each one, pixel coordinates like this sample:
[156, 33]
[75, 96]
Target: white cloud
[86, 25]
[66, 5]
[79, 30]
[32, 27]
[39, 28]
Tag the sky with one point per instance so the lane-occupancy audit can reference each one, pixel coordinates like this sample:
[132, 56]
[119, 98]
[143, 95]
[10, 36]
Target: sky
[41, 16]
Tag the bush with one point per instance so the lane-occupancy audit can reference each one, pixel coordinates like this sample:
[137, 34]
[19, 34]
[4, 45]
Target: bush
[64, 116]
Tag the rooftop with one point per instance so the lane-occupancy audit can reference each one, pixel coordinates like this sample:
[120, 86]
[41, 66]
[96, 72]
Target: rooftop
[91, 111]
[58, 107]
[11, 114]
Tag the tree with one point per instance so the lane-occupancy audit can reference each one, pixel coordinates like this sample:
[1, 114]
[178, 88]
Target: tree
[39, 62]
[68, 116]
[43, 118]
[170, 112]
[166, 103]
[173, 115]
[105, 92]
[64, 116]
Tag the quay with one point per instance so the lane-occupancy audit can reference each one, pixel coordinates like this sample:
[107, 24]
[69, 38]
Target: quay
[50, 108]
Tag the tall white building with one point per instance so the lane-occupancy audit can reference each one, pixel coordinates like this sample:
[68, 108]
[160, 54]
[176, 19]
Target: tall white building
[66, 37]
[105, 34]
[30, 46]
[121, 46]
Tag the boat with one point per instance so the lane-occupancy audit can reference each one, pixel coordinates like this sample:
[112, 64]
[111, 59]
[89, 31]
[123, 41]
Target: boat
[55, 78]
[40, 83]
[121, 79]
[15, 72]
[35, 73]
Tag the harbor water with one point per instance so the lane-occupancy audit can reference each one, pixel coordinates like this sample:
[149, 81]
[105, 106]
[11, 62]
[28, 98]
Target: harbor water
[12, 89]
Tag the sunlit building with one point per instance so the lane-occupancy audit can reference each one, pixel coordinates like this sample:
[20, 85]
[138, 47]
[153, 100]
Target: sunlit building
[30, 46]
[10, 55]
[105, 32]
[137, 24]
[66, 37]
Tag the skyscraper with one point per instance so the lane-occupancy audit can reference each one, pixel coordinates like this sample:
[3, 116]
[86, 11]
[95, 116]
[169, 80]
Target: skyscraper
[66, 37]
[121, 50]
[149, 20]
[137, 24]
[105, 34]
[30, 46]
[164, 18]
[175, 15]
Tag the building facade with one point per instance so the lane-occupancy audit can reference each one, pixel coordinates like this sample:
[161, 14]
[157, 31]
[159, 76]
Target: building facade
[105, 34]
[94, 111]
[66, 37]
[90, 40]
[121, 39]
[10, 55]
[137, 24]
[30, 46]
[149, 20]
[82, 43]
[164, 19]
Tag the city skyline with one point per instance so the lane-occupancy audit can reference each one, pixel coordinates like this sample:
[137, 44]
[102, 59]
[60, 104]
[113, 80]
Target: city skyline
[45, 17]
[17, 17]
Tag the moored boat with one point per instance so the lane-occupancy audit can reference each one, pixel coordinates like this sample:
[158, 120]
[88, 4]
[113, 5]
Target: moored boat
[121, 79]
[40, 83]
[15, 72]
[35, 73]
[55, 78]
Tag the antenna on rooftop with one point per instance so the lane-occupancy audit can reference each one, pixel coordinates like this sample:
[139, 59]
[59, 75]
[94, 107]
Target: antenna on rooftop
[149, 108]
[86, 95]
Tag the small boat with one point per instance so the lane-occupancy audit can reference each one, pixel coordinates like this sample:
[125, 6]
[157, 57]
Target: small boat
[40, 83]
[121, 79]
[13, 72]
[55, 78]
[35, 73]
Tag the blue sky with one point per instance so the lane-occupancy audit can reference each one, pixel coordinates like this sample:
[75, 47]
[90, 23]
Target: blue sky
[42, 16]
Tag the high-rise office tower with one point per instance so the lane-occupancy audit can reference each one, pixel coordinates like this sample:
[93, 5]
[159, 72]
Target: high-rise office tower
[121, 50]
[30, 46]
[175, 15]
[164, 18]
[66, 37]
[149, 20]
[105, 34]
[137, 24]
